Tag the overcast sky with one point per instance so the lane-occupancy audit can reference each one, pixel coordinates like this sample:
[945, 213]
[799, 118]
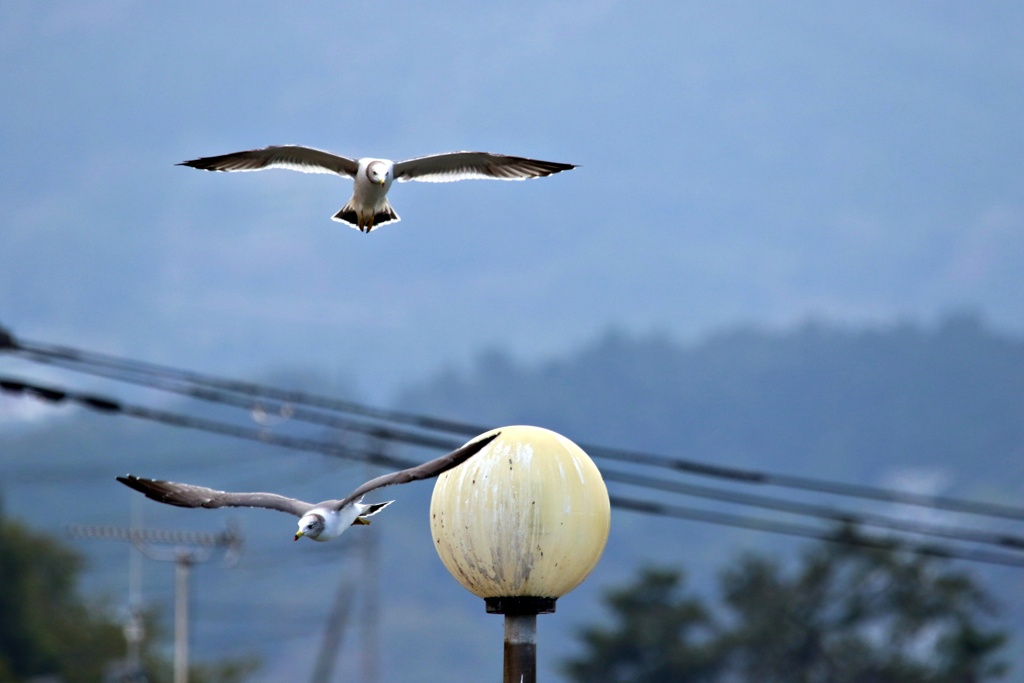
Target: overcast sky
[741, 163]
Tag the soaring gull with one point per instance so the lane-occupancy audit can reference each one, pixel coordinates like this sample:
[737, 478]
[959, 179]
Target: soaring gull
[321, 521]
[369, 208]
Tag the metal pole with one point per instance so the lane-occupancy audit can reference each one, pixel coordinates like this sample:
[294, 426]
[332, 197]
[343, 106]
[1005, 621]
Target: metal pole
[134, 630]
[369, 585]
[520, 648]
[334, 632]
[181, 569]
[189, 548]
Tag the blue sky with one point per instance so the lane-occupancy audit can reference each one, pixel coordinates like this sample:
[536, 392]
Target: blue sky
[741, 163]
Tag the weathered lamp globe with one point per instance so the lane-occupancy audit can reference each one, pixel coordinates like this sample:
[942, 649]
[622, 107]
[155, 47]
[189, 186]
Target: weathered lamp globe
[523, 521]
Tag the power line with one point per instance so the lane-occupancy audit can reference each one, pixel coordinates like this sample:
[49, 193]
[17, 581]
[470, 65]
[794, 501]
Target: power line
[228, 538]
[140, 372]
[107, 405]
[648, 507]
[820, 511]
[803, 531]
[294, 411]
[376, 457]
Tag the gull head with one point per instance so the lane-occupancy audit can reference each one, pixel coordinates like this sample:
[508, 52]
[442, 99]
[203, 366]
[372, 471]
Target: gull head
[378, 172]
[311, 526]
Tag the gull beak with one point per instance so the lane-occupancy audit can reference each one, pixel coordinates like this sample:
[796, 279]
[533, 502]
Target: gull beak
[298, 534]
[382, 181]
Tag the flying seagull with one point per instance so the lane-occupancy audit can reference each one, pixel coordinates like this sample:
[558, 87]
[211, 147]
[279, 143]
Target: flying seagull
[321, 521]
[369, 208]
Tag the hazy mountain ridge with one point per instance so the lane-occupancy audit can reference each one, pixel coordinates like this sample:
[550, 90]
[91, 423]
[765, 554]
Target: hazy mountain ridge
[815, 400]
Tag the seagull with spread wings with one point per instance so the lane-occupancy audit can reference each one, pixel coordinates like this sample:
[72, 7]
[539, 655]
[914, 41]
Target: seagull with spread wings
[369, 208]
[320, 521]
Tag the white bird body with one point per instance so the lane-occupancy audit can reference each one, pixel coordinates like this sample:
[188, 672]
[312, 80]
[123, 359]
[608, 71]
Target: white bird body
[320, 521]
[369, 205]
[332, 522]
[369, 208]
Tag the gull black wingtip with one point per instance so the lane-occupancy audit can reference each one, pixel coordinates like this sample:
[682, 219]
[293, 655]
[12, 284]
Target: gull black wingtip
[201, 164]
[462, 453]
[471, 448]
[480, 443]
[7, 340]
[140, 484]
[130, 480]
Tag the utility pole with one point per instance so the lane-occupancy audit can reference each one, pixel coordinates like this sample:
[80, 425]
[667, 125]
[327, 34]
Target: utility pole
[185, 549]
[334, 632]
[369, 585]
[364, 575]
[134, 628]
[183, 560]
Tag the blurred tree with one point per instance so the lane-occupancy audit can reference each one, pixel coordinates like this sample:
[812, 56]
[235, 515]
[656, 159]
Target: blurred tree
[844, 614]
[658, 635]
[849, 614]
[47, 629]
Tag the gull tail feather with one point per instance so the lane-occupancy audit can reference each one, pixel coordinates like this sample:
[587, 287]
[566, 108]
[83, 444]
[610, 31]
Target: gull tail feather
[365, 223]
[370, 511]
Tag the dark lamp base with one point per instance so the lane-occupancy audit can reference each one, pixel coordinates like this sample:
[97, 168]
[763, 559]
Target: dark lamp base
[520, 604]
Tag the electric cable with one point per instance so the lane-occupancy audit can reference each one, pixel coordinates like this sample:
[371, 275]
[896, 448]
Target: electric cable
[71, 358]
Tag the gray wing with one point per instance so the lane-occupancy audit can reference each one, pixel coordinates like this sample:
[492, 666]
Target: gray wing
[294, 157]
[189, 496]
[425, 471]
[445, 168]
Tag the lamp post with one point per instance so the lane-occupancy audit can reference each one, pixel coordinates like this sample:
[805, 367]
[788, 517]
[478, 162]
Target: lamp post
[521, 524]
